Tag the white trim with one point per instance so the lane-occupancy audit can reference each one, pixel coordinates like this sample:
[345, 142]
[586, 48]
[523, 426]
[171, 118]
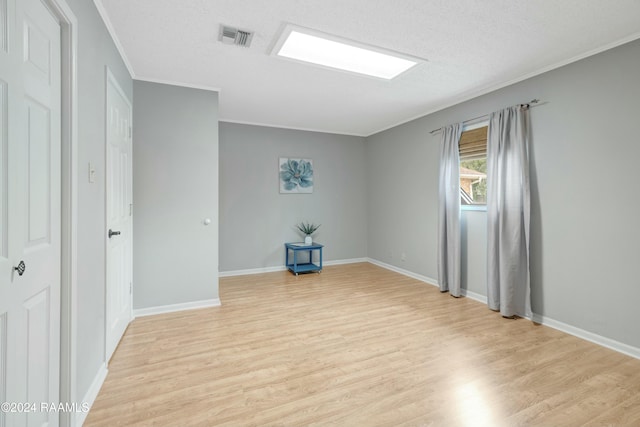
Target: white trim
[91, 395]
[472, 208]
[465, 97]
[150, 311]
[478, 123]
[588, 336]
[402, 271]
[345, 261]
[477, 93]
[116, 41]
[69, 206]
[251, 271]
[464, 292]
[267, 125]
[562, 327]
[179, 84]
[474, 296]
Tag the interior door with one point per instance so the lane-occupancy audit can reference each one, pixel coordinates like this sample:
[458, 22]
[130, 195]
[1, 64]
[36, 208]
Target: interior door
[119, 215]
[30, 173]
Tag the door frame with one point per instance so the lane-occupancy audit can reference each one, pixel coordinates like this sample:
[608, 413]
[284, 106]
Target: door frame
[69, 218]
[111, 79]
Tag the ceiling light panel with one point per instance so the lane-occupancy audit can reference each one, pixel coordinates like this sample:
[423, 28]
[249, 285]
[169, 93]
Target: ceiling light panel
[324, 50]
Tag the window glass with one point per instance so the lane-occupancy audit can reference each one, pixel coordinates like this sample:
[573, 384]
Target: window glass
[473, 166]
[473, 182]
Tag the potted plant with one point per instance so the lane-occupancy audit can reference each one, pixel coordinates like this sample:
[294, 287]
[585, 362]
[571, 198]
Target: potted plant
[308, 229]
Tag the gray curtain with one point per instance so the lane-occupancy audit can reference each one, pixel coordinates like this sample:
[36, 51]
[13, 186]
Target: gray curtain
[508, 209]
[449, 211]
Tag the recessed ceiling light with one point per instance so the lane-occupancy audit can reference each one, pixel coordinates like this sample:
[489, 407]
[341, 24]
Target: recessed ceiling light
[330, 51]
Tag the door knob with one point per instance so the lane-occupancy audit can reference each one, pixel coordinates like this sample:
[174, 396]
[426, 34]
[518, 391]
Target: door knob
[113, 233]
[20, 268]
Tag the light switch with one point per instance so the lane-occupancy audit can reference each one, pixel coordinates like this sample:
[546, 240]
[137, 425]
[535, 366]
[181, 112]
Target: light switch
[92, 173]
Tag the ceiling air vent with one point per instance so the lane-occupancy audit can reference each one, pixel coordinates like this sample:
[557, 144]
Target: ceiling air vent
[230, 35]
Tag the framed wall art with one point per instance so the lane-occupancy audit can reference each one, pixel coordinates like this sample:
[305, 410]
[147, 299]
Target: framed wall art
[296, 175]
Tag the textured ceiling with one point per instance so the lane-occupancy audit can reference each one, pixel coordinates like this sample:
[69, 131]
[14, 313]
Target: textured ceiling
[471, 47]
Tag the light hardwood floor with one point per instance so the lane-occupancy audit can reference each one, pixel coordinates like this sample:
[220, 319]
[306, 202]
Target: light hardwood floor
[358, 346]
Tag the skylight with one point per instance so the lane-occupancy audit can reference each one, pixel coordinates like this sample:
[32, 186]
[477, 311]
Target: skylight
[343, 55]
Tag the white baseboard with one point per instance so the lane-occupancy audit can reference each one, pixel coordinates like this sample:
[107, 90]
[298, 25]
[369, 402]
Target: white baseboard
[249, 271]
[345, 261]
[474, 296]
[428, 280]
[283, 268]
[402, 271]
[589, 336]
[91, 395]
[150, 311]
[546, 321]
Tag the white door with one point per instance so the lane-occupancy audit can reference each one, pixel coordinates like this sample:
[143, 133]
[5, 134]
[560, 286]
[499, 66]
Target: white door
[30, 160]
[119, 215]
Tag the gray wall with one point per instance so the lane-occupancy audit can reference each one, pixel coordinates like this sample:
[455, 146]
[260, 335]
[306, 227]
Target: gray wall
[378, 198]
[96, 51]
[402, 198]
[175, 187]
[584, 160]
[473, 239]
[255, 220]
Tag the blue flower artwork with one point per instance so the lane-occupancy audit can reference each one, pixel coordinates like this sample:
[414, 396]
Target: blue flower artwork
[296, 175]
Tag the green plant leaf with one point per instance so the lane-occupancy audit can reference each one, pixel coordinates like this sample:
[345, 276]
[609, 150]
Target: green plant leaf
[307, 228]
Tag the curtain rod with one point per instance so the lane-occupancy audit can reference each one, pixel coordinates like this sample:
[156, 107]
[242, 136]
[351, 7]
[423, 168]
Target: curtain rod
[533, 101]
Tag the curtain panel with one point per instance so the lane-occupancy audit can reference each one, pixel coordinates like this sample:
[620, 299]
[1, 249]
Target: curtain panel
[449, 211]
[508, 212]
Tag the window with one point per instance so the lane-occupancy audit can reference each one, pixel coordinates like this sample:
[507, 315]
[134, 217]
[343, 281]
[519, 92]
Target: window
[473, 166]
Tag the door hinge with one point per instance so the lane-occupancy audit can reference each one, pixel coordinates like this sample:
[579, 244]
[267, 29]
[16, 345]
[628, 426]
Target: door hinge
[130, 209]
[130, 287]
[130, 132]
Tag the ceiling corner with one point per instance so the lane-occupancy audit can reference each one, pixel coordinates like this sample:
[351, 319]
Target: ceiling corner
[116, 41]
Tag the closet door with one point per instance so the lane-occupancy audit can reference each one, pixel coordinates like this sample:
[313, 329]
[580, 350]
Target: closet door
[29, 211]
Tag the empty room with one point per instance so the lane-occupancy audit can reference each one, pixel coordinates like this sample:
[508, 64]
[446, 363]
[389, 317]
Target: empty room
[330, 213]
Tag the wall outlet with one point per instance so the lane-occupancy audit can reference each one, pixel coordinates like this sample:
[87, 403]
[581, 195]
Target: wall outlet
[403, 257]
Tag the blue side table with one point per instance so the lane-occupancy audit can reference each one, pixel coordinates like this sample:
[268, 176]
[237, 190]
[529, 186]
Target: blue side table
[302, 267]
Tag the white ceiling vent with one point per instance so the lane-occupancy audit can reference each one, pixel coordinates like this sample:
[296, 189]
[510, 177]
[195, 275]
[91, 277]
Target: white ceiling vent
[230, 35]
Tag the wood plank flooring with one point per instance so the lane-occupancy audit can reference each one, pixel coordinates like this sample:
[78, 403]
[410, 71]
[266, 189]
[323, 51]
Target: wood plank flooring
[358, 346]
